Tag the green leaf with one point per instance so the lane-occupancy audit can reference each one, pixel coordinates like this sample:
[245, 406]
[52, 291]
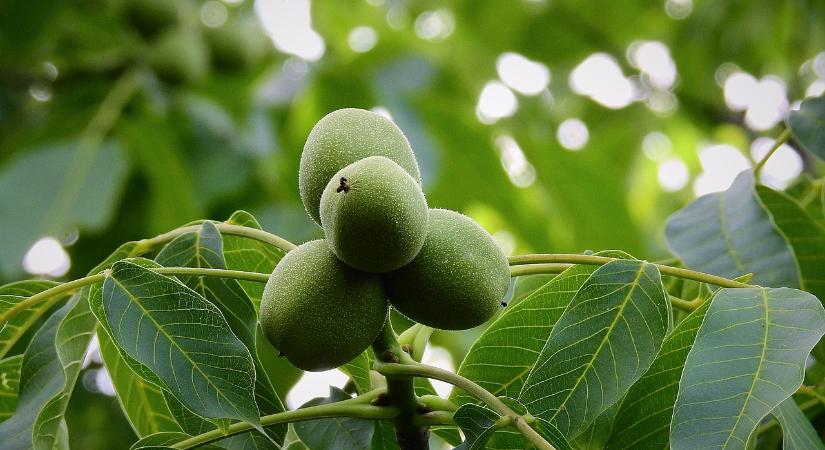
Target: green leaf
[603, 343]
[10, 295]
[249, 255]
[731, 234]
[808, 126]
[71, 342]
[164, 440]
[183, 339]
[551, 434]
[507, 350]
[43, 380]
[337, 432]
[805, 236]
[55, 359]
[596, 435]
[156, 151]
[478, 424]
[643, 420]
[204, 249]
[359, 371]
[64, 197]
[96, 305]
[383, 437]
[9, 381]
[797, 431]
[748, 357]
[142, 402]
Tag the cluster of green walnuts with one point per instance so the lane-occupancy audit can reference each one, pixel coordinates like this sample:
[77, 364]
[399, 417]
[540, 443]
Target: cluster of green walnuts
[328, 299]
[183, 50]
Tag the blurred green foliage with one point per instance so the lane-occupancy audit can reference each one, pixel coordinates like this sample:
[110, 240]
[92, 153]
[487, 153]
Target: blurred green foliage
[103, 139]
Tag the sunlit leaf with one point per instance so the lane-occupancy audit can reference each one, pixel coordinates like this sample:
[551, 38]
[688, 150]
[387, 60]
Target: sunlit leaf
[603, 343]
[808, 125]
[731, 234]
[10, 295]
[9, 381]
[797, 431]
[334, 433]
[643, 420]
[748, 357]
[183, 339]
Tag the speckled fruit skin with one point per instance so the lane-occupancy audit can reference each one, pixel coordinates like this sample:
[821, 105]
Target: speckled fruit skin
[374, 215]
[457, 280]
[341, 138]
[319, 312]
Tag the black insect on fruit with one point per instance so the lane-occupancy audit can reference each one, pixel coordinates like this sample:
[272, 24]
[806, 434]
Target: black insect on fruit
[341, 138]
[374, 215]
[319, 312]
[458, 279]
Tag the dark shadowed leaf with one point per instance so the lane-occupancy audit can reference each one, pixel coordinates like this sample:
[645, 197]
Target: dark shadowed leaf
[749, 356]
[603, 343]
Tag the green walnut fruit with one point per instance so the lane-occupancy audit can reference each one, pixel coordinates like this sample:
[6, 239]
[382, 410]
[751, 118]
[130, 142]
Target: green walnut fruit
[151, 16]
[341, 138]
[180, 56]
[319, 312]
[374, 215]
[458, 279]
[238, 44]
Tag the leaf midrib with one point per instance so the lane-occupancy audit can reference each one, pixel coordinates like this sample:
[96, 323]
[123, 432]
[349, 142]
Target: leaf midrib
[596, 353]
[174, 343]
[758, 368]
